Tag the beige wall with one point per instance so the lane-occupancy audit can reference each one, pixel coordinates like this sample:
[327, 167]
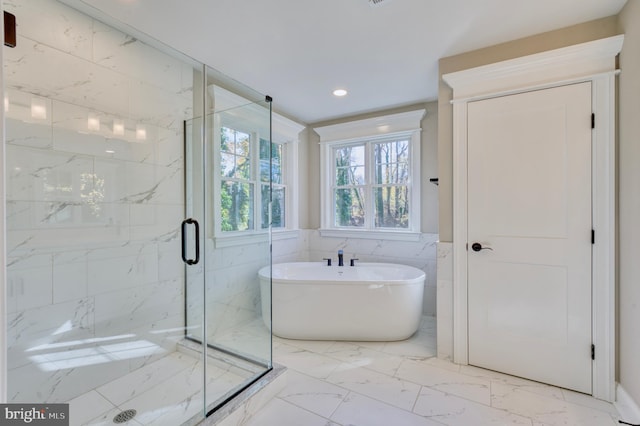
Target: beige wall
[303, 180]
[429, 165]
[588, 31]
[629, 202]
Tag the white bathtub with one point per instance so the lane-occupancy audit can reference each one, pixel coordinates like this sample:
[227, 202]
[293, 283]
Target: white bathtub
[367, 302]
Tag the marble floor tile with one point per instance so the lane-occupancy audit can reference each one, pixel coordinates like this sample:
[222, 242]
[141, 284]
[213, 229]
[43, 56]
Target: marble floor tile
[143, 379]
[546, 410]
[381, 380]
[589, 401]
[281, 413]
[456, 411]
[168, 397]
[476, 389]
[87, 407]
[175, 414]
[364, 357]
[312, 394]
[393, 391]
[359, 410]
[349, 383]
[310, 363]
[443, 364]
[106, 419]
[516, 382]
[166, 392]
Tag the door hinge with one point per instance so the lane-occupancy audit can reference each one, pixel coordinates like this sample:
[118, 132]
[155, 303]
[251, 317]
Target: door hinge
[593, 120]
[593, 236]
[593, 351]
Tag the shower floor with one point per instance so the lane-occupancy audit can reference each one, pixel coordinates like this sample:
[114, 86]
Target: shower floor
[165, 392]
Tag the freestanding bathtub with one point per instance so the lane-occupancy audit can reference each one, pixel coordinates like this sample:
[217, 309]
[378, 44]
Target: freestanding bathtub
[367, 302]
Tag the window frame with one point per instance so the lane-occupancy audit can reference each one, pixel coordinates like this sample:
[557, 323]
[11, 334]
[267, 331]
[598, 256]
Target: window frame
[284, 132]
[368, 132]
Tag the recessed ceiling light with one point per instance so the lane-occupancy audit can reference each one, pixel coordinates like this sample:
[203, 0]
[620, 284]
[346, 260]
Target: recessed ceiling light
[339, 92]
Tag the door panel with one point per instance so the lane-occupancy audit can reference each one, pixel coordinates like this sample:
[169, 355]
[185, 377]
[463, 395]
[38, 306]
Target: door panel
[529, 201]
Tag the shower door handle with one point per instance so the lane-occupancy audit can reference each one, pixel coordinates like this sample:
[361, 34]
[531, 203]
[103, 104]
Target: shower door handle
[193, 222]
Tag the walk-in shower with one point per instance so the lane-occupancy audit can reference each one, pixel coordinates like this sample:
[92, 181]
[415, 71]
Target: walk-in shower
[111, 143]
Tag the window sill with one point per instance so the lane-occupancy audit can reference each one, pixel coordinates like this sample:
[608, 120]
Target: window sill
[285, 234]
[371, 235]
[246, 238]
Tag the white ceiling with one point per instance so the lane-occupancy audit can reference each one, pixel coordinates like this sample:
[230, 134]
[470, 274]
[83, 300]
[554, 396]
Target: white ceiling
[299, 51]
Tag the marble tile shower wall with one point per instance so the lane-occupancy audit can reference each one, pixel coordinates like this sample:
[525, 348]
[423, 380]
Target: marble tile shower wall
[94, 200]
[232, 288]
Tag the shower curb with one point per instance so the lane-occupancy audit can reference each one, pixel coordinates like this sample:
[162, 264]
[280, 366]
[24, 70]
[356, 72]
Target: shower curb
[241, 408]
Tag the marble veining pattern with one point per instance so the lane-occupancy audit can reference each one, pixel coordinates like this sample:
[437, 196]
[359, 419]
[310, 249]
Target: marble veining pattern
[165, 392]
[360, 383]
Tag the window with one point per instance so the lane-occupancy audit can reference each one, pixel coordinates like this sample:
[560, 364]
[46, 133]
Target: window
[238, 182]
[371, 175]
[253, 171]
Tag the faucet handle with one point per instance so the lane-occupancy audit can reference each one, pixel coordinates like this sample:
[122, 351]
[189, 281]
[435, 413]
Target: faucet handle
[352, 262]
[328, 259]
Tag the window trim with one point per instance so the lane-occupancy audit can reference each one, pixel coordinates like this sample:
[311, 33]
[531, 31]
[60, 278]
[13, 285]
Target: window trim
[371, 130]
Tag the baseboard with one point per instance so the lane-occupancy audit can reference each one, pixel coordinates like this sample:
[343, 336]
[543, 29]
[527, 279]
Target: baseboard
[626, 406]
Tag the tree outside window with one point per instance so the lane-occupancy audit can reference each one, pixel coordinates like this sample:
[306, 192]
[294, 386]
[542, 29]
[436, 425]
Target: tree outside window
[391, 190]
[271, 177]
[371, 187]
[236, 187]
[238, 198]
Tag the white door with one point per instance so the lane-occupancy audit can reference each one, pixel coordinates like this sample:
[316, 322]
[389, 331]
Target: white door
[529, 207]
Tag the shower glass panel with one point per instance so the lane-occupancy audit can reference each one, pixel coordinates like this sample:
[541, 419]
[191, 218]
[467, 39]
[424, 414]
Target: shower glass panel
[234, 237]
[123, 159]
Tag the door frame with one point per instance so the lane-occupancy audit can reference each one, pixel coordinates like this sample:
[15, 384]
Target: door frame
[593, 62]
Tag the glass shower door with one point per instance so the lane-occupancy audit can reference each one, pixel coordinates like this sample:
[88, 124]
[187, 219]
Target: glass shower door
[228, 195]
